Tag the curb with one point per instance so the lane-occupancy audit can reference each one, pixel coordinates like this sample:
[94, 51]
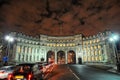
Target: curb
[107, 68]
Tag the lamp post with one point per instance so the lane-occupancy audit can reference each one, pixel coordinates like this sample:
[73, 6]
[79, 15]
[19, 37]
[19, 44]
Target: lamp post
[114, 38]
[9, 40]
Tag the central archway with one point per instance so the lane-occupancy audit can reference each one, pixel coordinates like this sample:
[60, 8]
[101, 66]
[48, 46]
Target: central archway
[50, 57]
[61, 57]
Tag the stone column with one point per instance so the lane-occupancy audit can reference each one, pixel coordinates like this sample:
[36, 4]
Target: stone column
[77, 54]
[21, 49]
[25, 57]
[32, 55]
[45, 55]
[55, 57]
[16, 58]
[20, 57]
[66, 57]
[105, 53]
[35, 58]
[25, 54]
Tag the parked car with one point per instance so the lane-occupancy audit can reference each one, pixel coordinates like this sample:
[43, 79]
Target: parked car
[5, 71]
[26, 71]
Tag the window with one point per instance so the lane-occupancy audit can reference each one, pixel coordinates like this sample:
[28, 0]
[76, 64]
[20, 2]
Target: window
[23, 58]
[38, 58]
[23, 49]
[26, 57]
[37, 50]
[99, 46]
[18, 49]
[30, 51]
[30, 57]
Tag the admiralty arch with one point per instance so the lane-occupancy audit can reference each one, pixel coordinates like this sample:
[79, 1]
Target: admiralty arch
[64, 49]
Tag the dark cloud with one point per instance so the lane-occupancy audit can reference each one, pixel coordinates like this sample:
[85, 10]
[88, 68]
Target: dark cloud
[59, 17]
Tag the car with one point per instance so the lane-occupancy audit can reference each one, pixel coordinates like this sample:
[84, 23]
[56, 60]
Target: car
[47, 67]
[26, 71]
[5, 71]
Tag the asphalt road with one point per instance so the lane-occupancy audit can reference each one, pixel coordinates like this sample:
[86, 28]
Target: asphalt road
[88, 73]
[80, 72]
[61, 72]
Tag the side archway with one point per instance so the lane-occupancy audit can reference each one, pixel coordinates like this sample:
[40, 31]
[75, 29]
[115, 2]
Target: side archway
[71, 57]
[50, 56]
[61, 57]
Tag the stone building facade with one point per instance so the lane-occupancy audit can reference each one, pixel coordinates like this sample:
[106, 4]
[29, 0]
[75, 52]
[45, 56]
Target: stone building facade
[63, 50]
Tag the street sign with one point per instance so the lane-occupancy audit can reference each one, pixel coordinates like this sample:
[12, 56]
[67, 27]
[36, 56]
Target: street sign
[5, 59]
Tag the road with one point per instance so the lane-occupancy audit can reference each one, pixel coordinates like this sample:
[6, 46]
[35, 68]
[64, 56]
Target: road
[88, 73]
[61, 72]
[80, 72]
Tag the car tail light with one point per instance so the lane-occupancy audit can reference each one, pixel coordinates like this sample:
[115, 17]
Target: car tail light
[9, 76]
[29, 77]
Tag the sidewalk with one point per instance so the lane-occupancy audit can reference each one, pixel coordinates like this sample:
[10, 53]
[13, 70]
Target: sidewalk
[114, 70]
[110, 68]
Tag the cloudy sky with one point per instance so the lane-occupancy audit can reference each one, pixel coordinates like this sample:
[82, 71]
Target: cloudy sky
[59, 17]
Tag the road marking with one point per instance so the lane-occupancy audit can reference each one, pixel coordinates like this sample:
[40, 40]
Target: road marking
[73, 73]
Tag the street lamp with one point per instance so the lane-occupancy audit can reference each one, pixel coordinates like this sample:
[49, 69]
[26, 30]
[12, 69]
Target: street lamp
[113, 38]
[9, 40]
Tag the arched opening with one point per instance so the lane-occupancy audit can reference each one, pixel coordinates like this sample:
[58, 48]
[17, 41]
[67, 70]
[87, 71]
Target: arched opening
[79, 60]
[61, 57]
[71, 57]
[50, 57]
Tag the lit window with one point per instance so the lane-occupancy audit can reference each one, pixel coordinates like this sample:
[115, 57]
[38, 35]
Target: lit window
[92, 58]
[91, 48]
[95, 47]
[53, 45]
[85, 59]
[98, 40]
[67, 44]
[18, 49]
[57, 44]
[90, 41]
[95, 52]
[30, 51]
[63, 44]
[99, 46]
[70, 44]
[73, 44]
[47, 44]
[96, 58]
[99, 52]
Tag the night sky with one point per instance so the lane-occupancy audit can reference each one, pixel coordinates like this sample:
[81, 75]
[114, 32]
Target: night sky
[59, 17]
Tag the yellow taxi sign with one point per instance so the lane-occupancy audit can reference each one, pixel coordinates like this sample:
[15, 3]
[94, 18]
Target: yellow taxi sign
[19, 77]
